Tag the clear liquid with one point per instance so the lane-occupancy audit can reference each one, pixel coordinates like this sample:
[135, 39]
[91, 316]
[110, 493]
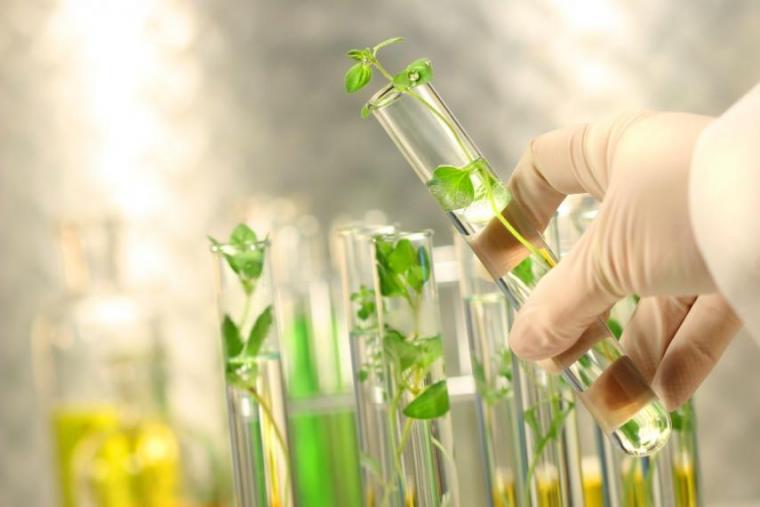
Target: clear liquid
[647, 427]
[259, 439]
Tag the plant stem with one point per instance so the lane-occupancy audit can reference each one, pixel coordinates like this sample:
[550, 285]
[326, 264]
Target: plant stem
[468, 153]
[246, 310]
[540, 254]
[450, 461]
[278, 436]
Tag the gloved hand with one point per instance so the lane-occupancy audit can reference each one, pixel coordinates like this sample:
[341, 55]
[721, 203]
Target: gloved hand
[641, 242]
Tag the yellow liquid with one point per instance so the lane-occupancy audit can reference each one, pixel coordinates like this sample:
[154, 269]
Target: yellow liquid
[637, 491]
[111, 465]
[71, 426]
[504, 492]
[685, 485]
[592, 490]
[548, 493]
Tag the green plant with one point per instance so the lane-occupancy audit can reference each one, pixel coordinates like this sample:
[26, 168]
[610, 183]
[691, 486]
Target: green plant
[499, 387]
[242, 340]
[403, 271]
[457, 188]
[454, 187]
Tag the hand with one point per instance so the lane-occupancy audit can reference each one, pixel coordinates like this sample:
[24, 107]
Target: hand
[641, 242]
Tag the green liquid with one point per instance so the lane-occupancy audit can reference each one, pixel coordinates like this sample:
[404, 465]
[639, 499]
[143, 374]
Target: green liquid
[325, 454]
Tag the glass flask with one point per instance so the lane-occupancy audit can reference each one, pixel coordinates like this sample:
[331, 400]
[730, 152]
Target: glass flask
[500, 233]
[97, 363]
[256, 405]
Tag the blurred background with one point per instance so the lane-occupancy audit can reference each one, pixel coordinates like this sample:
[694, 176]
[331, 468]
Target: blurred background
[170, 115]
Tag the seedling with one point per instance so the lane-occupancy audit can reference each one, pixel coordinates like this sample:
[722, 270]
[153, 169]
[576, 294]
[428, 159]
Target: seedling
[243, 343]
[403, 272]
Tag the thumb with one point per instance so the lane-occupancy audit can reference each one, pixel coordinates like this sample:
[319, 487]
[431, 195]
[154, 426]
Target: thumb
[565, 306]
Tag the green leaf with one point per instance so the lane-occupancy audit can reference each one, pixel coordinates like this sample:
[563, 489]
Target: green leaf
[248, 264]
[420, 353]
[363, 375]
[242, 236]
[524, 271]
[402, 257]
[357, 77]
[420, 71]
[531, 419]
[386, 42]
[401, 81]
[366, 110]
[452, 187]
[416, 73]
[390, 283]
[431, 403]
[259, 332]
[415, 278]
[676, 420]
[682, 418]
[365, 299]
[360, 55]
[396, 346]
[615, 327]
[231, 341]
[429, 350]
[383, 248]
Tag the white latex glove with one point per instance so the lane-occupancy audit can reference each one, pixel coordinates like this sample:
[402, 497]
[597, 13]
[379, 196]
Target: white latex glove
[642, 242]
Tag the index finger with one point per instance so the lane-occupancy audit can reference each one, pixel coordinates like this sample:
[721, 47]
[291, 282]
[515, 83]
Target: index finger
[570, 160]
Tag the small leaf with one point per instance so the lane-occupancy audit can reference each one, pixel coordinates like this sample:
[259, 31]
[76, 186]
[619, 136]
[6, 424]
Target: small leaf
[415, 278]
[386, 42]
[247, 263]
[452, 187]
[402, 257]
[615, 327]
[531, 419]
[363, 375]
[231, 341]
[428, 351]
[676, 420]
[366, 110]
[383, 247]
[431, 403]
[259, 332]
[401, 81]
[360, 55]
[420, 71]
[357, 77]
[390, 283]
[524, 271]
[242, 235]
[396, 346]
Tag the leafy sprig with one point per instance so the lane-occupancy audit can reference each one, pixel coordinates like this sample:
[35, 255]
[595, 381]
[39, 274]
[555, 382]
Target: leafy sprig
[360, 74]
[245, 257]
[402, 269]
[500, 386]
